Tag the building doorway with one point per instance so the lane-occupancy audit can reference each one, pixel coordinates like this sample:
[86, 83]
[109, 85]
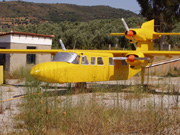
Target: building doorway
[3, 58]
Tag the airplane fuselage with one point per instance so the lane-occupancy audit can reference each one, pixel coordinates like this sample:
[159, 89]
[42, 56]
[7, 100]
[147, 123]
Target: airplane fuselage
[68, 67]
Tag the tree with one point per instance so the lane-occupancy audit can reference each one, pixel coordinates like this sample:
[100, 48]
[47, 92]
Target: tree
[85, 35]
[175, 40]
[165, 12]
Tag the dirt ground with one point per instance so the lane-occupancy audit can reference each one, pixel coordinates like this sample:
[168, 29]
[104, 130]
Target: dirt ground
[159, 85]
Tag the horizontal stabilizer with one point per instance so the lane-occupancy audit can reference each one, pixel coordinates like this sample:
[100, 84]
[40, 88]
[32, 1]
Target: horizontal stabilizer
[117, 34]
[162, 53]
[166, 34]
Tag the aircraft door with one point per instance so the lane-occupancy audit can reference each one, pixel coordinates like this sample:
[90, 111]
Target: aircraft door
[93, 68]
[106, 68]
[101, 70]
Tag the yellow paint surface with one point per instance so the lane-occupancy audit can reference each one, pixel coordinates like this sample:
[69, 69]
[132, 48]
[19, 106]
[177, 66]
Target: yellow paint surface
[1, 75]
[63, 72]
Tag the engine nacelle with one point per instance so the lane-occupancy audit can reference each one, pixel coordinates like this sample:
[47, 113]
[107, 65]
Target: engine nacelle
[136, 63]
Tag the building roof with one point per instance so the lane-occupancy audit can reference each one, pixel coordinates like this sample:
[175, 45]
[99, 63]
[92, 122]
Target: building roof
[26, 34]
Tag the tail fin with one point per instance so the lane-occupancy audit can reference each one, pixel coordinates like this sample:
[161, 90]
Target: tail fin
[148, 25]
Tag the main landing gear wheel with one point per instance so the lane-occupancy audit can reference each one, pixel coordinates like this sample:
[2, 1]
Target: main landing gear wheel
[80, 87]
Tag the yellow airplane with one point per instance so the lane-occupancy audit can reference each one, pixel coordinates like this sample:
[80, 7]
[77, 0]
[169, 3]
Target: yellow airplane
[74, 66]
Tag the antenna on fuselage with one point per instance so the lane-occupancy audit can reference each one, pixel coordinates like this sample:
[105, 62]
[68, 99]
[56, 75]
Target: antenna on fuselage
[62, 45]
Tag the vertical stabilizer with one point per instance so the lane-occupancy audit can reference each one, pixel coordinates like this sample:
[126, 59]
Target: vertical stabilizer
[148, 25]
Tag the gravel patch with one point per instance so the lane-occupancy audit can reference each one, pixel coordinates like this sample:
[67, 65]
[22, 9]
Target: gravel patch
[14, 88]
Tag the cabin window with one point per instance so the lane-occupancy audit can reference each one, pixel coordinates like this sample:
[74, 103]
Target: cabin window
[76, 60]
[84, 60]
[93, 60]
[111, 61]
[100, 61]
[67, 57]
[31, 58]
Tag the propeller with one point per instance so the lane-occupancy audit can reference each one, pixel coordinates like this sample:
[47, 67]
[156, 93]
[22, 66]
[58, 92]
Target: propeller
[62, 45]
[131, 58]
[129, 33]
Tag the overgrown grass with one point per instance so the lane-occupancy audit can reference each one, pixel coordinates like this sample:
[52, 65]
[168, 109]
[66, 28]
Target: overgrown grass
[20, 73]
[104, 109]
[95, 113]
[173, 72]
[1, 104]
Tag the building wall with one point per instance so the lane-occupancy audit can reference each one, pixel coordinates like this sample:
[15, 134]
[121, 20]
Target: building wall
[25, 39]
[18, 60]
[40, 58]
[5, 45]
[13, 41]
[5, 39]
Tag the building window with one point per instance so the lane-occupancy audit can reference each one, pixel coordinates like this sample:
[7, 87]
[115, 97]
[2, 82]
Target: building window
[93, 60]
[100, 61]
[31, 58]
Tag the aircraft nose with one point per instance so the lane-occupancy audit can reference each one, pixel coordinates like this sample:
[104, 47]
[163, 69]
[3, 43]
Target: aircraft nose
[53, 72]
[36, 71]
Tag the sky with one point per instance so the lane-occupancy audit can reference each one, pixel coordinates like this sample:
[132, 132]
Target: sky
[131, 5]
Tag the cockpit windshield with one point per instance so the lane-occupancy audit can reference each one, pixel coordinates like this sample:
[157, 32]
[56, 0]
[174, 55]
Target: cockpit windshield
[67, 57]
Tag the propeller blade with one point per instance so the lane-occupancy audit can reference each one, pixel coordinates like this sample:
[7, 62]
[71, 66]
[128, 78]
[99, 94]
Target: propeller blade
[120, 58]
[125, 25]
[136, 58]
[62, 45]
[134, 42]
[142, 58]
[127, 29]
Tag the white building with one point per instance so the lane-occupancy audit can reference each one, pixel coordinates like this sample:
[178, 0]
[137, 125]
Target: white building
[23, 40]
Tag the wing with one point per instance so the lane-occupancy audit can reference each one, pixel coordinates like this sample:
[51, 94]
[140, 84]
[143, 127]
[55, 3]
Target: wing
[29, 51]
[163, 53]
[152, 53]
[54, 51]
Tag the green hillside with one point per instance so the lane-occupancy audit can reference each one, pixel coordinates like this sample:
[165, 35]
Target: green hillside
[58, 12]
